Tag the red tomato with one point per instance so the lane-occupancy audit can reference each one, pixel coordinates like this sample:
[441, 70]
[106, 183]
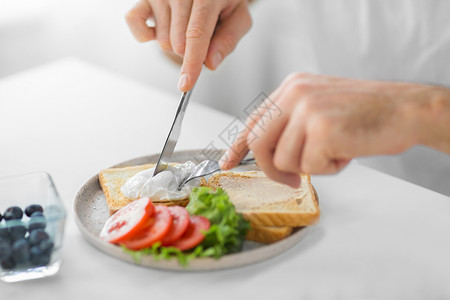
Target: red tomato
[156, 229]
[127, 221]
[180, 223]
[194, 234]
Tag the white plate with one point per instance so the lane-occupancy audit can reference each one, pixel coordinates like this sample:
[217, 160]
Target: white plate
[91, 213]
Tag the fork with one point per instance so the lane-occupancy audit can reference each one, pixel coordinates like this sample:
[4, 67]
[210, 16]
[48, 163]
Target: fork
[207, 167]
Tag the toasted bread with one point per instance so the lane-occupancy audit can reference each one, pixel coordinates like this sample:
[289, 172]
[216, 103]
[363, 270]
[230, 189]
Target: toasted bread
[111, 180]
[268, 234]
[272, 209]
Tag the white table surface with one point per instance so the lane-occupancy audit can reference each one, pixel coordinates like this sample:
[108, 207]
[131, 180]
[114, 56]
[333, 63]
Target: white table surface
[378, 238]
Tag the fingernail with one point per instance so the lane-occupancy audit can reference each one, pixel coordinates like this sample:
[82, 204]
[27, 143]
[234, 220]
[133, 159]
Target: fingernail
[182, 84]
[216, 59]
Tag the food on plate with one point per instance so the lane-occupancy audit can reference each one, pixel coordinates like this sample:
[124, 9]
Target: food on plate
[194, 234]
[141, 224]
[127, 222]
[205, 219]
[272, 209]
[153, 231]
[179, 226]
[123, 185]
[208, 226]
[228, 227]
[268, 234]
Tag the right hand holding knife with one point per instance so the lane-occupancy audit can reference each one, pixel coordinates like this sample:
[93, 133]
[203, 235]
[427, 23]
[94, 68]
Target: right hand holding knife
[200, 31]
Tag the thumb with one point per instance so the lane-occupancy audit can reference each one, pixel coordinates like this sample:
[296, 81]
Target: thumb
[227, 35]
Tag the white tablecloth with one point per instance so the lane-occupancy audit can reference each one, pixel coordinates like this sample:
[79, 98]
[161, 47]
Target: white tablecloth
[378, 238]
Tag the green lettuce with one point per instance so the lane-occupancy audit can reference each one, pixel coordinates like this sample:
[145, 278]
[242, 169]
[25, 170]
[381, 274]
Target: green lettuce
[225, 235]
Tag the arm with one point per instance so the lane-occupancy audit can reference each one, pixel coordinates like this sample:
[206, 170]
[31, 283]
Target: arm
[432, 112]
[326, 121]
[200, 31]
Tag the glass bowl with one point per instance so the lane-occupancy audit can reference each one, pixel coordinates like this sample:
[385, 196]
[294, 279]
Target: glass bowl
[37, 254]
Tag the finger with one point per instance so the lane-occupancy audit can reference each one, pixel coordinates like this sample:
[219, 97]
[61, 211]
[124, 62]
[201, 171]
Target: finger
[236, 153]
[180, 12]
[137, 22]
[228, 33]
[239, 148]
[314, 160]
[199, 31]
[289, 148]
[263, 148]
[339, 164]
[317, 157]
[162, 21]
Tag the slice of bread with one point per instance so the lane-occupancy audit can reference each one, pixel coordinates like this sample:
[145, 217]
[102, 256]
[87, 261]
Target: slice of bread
[272, 209]
[264, 202]
[111, 180]
[268, 234]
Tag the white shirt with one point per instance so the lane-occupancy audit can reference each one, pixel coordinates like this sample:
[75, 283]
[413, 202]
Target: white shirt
[401, 40]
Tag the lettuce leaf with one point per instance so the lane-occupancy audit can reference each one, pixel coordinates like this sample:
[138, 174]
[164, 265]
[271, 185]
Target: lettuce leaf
[225, 235]
[228, 228]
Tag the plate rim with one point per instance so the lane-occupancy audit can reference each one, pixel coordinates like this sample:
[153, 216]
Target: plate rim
[227, 261]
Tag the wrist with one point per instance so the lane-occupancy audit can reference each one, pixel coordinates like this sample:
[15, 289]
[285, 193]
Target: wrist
[429, 114]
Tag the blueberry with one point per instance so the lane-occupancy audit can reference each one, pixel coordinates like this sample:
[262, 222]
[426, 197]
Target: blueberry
[46, 246]
[29, 210]
[17, 231]
[39, 257]
[37, 214]
[8, 264]
[21, 251]
[1, 217]
[36, 222]
[37, 236]
[4, 233]
[13, 213]
[5, 250]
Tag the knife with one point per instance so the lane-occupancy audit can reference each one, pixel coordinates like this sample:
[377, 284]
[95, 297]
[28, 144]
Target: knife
[174, 134]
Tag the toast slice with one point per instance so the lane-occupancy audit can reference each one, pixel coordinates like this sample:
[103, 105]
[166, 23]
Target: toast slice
[272, 209]
[264, 202]
[111, 180]
[268, 234]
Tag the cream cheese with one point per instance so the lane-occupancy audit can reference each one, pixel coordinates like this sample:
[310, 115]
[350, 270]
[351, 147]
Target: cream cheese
[163, 186]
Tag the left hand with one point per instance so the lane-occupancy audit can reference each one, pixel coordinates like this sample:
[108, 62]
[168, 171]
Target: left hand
[327, 121]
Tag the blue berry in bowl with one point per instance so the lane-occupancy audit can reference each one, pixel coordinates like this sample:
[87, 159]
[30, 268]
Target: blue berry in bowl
[8, 264]
[17, 229]
[36, 222]
[46, 246]
[37, 236]
[4, 232]
[21, 251]
[39, 257]
[5, 250]
[30, 209]
[37, 214]
[13, 213]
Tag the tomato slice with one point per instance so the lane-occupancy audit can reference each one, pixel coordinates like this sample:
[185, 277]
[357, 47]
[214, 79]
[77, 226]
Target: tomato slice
[127, 221]
[156, 229]
[194, 234]
[180, 223]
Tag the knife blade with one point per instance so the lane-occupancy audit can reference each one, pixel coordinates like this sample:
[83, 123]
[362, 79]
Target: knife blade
[174, 134]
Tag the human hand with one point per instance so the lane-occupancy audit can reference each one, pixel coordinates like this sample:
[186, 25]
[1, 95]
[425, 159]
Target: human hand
[327, 121]
[200, 31]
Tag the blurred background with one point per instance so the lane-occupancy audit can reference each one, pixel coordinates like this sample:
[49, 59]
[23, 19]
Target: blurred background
[403, 40]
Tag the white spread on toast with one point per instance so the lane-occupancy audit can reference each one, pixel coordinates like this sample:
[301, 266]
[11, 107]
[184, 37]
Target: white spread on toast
[163, 186]
[257, 192]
